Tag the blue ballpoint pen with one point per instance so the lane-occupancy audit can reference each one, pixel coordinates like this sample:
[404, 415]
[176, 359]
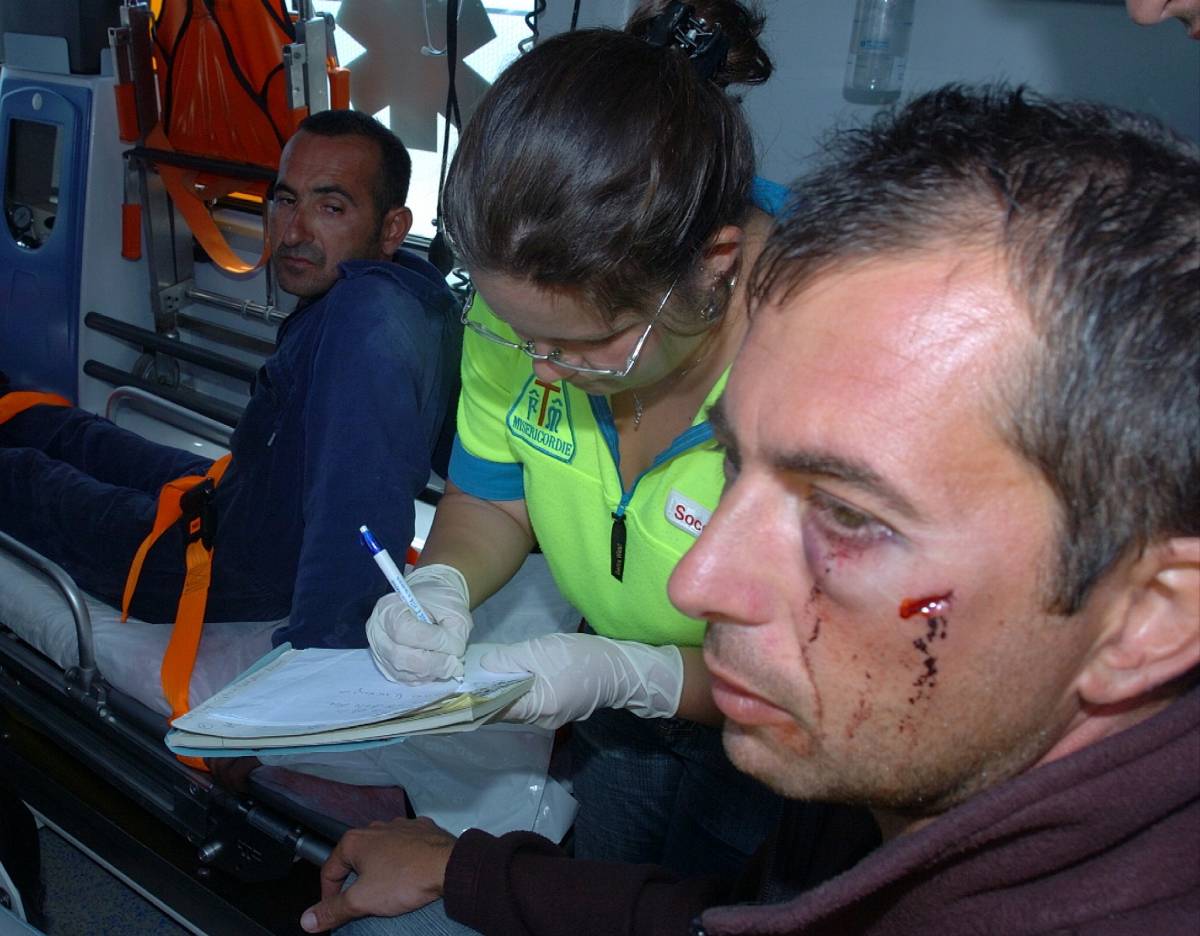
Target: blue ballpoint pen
[392, 574]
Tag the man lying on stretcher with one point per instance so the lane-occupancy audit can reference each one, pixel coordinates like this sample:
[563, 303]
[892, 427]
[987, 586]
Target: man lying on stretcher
[340, 428]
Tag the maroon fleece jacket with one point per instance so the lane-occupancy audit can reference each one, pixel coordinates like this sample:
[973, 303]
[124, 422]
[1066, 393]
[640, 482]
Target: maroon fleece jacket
[1105, 841]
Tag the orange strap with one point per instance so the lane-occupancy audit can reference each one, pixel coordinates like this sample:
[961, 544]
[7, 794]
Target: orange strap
[17, 401]
[180, 657]
[127, 123]
[339, 84]
[199, 220]
[131, 231]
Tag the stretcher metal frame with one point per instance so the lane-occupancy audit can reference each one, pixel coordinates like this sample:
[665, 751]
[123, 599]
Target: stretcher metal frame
[90, 759]
[62, 731]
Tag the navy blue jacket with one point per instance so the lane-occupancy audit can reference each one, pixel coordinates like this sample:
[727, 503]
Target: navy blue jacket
[339, 432]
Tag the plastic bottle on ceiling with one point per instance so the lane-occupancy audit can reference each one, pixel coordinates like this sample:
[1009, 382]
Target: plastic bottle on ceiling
[878, 51]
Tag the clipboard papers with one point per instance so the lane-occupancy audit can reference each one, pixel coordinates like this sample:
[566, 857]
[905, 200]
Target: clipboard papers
[304, 701]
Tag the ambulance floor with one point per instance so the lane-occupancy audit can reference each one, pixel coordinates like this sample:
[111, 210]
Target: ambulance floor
[82, 897]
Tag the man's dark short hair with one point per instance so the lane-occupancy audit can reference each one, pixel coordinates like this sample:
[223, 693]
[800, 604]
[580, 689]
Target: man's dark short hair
[391, 188]
[1096, 212]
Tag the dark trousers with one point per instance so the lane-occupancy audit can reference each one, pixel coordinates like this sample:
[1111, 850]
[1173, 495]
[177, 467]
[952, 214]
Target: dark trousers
[83, 492]
[663, 791]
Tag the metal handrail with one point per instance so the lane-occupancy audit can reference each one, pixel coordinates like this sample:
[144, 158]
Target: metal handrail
[75, 601]
[190, 399]
[245, 307]
[152, 341]
[173, 414]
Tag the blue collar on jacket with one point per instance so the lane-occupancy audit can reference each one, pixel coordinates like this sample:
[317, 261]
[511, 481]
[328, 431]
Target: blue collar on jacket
[416, 274]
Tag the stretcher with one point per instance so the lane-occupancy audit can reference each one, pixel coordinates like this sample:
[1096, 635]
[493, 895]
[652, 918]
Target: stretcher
[82, 714]
[83, 719]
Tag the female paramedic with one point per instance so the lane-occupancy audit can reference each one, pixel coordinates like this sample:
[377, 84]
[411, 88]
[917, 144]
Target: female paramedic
[603, 199]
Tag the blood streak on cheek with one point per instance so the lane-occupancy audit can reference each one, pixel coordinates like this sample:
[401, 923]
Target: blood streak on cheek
[824, 558]
[860, 714]
[797, 740]
[814, 611]
[935, 609]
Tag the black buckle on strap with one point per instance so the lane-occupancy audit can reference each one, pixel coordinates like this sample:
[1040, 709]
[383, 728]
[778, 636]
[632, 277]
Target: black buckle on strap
[199, 513]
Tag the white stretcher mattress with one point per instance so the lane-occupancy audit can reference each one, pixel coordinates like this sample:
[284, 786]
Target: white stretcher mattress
[492, 778]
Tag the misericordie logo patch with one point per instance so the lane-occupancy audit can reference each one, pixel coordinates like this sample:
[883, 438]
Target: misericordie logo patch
[541, 417]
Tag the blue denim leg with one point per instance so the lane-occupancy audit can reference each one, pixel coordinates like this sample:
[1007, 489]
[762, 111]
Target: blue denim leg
[84, 492]
[99, 448]
[663, 791]
[430, 920]
[90, 528]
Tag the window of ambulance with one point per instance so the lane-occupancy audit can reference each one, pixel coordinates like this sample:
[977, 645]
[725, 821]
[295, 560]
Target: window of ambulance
[396, 55]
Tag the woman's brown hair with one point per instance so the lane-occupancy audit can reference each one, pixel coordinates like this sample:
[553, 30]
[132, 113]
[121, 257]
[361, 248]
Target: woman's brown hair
[600, 164]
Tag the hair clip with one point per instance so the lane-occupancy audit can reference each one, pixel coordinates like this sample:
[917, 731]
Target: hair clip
[677, 25]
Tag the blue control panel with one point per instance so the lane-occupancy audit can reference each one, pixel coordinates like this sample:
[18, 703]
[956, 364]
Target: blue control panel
[44, 131]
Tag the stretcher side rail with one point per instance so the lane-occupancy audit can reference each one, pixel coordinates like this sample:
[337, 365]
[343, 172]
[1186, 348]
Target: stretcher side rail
[188, 420]
[84, 674]
[194, 400]
[120, 739]
[92, 790]
[169, 412]
[141, 731]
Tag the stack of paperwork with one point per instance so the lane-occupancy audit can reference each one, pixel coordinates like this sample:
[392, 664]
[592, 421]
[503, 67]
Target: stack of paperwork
[294, 701]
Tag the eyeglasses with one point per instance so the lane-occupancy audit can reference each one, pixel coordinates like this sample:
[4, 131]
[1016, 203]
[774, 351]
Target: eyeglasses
[554, 356]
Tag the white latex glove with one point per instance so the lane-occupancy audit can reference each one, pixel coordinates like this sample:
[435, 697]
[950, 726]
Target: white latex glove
[575, 674]
[407, 649]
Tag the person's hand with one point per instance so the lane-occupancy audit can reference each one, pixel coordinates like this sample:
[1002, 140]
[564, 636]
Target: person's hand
[575, 674]
[233, 773]
[411, 651]
[401, 866]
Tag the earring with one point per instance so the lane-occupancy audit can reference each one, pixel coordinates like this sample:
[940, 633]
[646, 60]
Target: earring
[717, 302]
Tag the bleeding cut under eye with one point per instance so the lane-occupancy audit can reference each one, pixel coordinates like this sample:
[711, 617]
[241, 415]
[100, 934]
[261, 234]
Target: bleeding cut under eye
[932, 604]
